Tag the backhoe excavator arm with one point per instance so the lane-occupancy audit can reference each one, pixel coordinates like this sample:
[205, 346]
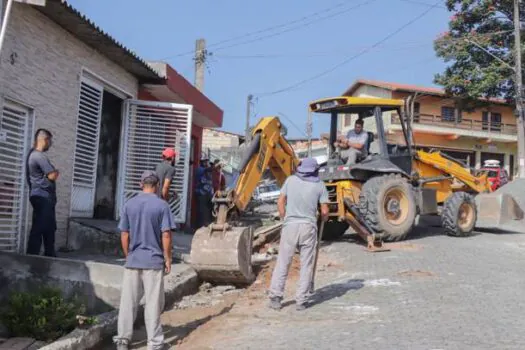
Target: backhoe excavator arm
[267, 150]
[222, 251]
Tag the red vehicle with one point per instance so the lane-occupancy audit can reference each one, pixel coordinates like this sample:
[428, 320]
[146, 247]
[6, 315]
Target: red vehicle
[497, 176]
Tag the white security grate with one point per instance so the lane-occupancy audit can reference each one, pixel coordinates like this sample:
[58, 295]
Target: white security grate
[149, 128]
[86, 149]
[15, 130]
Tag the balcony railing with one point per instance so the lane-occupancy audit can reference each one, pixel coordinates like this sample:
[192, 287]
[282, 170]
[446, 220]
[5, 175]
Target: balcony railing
[464, 124]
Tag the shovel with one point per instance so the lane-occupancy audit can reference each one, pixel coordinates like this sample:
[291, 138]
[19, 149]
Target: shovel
[318, 246]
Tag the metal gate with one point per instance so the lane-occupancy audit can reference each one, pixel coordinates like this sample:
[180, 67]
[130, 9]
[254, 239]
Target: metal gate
[149, 127]
[86, 149]
[16, 125]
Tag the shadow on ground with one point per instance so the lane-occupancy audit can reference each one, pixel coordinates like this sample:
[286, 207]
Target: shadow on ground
[335, 290]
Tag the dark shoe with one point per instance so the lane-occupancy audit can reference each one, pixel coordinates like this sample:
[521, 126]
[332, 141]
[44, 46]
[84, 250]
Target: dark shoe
[300, 307]
[275, 303]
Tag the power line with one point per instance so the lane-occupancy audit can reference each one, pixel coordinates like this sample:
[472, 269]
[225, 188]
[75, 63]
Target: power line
[282, 25]
[294, 28]
[425, 4]
[330, 70]
[314, 54]
[292, 123]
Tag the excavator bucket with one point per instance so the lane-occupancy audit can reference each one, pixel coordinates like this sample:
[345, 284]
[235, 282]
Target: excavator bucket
[497, 209]
[223, 255]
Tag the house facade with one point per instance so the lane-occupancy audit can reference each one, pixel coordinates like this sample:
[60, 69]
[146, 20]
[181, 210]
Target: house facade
[470, 136]
[61, 72]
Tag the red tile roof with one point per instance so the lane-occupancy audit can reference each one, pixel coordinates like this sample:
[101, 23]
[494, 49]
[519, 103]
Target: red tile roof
[403, 88]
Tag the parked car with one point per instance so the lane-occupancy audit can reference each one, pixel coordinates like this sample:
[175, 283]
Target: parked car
[267, 193]
[497, 176]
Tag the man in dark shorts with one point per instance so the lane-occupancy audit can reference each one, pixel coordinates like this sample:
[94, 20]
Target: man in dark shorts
[145, 227]
[41, 176]
[166, 171]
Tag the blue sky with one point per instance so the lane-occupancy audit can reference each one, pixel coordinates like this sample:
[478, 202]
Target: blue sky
[169, 28]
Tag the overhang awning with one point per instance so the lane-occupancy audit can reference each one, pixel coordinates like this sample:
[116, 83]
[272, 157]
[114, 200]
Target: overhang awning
[178, 90]
[81, 27]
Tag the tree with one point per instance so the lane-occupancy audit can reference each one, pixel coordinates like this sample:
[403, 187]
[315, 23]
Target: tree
[479, 45]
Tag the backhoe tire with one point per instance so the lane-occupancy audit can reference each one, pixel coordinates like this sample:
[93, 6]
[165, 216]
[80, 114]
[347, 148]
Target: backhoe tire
[459, 214]
[334, 230]
[388, 206]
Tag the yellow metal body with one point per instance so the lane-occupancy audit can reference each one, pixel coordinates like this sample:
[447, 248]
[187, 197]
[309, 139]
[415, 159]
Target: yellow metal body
[275, 154]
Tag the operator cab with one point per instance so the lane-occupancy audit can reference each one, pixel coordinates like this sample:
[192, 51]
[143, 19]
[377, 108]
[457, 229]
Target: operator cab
[370, 110]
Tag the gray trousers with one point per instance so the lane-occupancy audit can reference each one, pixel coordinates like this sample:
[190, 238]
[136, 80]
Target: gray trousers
[293, 236]
[351, 155]
[136, 284]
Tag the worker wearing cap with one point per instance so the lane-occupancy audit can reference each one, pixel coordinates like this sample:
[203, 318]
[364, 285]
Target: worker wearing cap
[166, 171]
[145, 225]
[300, 196]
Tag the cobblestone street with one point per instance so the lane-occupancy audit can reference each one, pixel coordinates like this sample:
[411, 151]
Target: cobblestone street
[431, 292]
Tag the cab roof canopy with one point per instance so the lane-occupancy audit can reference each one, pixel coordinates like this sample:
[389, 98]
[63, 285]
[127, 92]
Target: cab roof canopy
[346, 104]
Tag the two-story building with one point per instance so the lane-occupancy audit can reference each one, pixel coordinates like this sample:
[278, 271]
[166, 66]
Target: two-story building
[470, 136]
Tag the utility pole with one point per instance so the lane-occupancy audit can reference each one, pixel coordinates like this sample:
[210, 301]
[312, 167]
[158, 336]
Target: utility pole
[248, 113]
[200, 62]
[519, 90]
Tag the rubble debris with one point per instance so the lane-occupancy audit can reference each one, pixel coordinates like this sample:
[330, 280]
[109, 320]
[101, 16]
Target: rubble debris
[207, 296]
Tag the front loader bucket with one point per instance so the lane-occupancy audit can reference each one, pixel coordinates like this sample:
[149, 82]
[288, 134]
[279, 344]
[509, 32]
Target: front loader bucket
[223, 256]
[496, 209]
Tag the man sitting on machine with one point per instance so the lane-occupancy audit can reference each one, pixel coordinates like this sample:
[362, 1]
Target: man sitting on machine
[353, 147]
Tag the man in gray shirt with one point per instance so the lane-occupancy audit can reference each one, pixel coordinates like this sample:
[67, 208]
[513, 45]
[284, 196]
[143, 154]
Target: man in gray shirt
[166, 171]
[41, 176]
[145, 226]
[300, 196]
[354, 147]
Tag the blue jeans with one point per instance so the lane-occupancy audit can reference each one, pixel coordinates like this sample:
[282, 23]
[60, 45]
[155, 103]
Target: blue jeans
[43, 226]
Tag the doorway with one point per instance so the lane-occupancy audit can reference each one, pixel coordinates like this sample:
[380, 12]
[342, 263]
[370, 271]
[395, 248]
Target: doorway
[108, 157]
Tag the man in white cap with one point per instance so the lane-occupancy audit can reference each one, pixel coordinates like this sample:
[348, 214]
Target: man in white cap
[300, 196]
[145, 226]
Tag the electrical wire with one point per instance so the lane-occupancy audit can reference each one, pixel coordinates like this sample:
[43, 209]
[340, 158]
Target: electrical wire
[292, 123]
[287, 30]
[424, 4]
[282, 25]
[346, 61]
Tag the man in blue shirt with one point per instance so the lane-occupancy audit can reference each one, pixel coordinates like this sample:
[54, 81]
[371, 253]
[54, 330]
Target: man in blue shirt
[41, 176]
[204, 192]
[145, 224]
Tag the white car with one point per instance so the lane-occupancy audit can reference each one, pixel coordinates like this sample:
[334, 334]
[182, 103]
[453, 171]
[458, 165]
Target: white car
[267, 193]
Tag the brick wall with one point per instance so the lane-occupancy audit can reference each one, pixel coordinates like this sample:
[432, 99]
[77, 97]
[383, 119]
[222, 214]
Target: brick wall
[41, 65]
[216, 139]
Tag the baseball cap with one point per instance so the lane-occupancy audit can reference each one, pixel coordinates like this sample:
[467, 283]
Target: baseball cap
[169, 153]
[149, 175]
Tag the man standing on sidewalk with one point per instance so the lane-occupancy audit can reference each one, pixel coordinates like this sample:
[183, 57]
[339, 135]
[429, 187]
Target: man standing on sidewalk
[41, 176]
[166, 171]
[300, 196]
[145, 226]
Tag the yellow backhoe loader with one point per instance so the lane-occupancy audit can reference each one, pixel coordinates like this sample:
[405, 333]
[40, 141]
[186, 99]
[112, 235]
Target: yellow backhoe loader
[379, 197]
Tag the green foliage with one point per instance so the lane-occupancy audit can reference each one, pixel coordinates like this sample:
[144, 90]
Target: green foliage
[43, 314]
[472, 72]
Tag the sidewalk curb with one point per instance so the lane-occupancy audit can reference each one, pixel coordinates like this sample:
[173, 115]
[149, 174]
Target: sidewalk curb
[89, 338]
